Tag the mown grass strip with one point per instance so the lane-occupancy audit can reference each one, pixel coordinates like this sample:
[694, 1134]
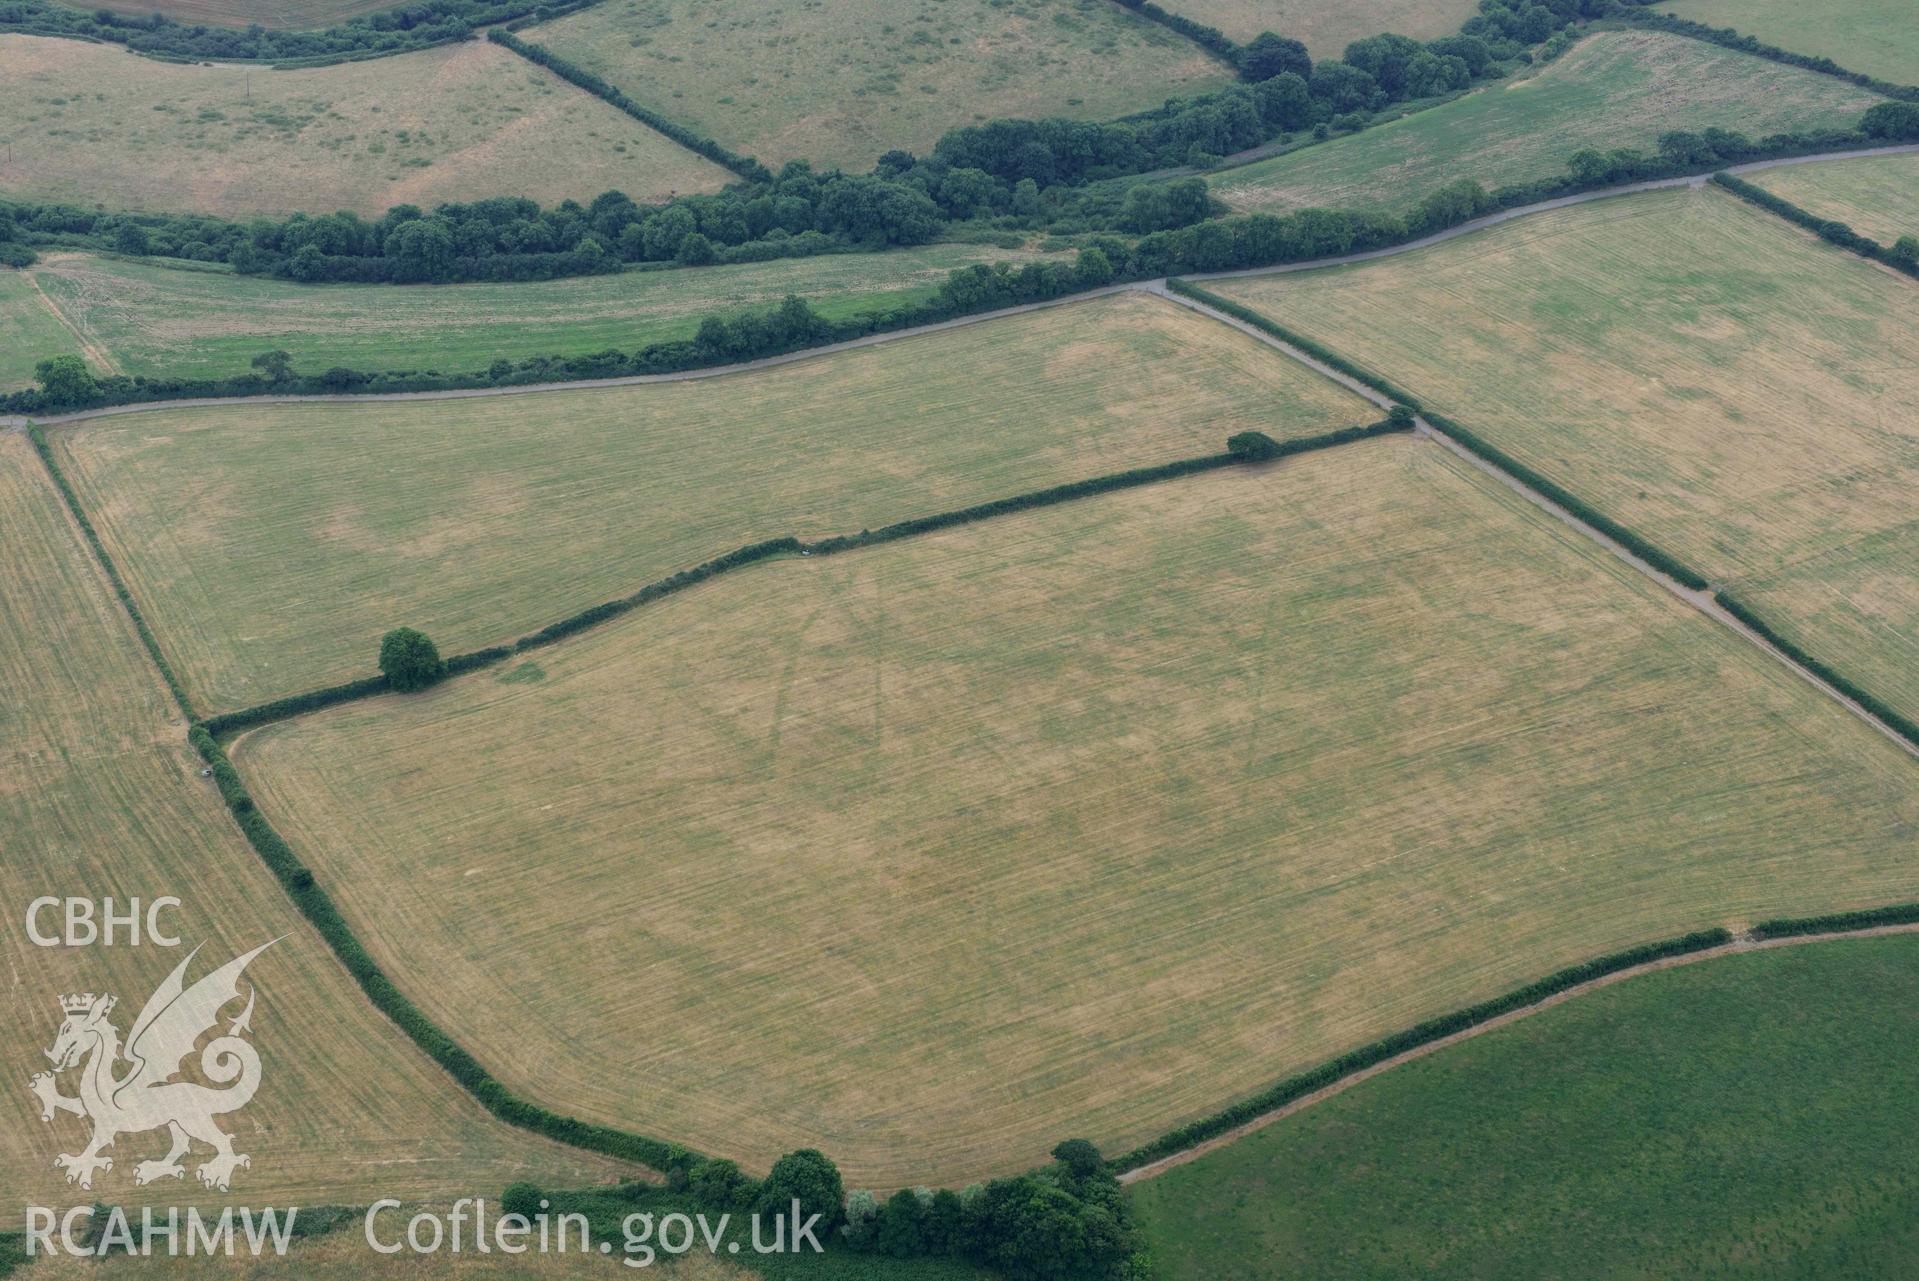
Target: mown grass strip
[1729, 38]
[1294, 1088]
[1643, 548]
[147, 638]
[1830, 230]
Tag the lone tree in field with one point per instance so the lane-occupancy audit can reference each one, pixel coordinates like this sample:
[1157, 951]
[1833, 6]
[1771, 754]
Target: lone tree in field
[409, 660]
[1252, 446]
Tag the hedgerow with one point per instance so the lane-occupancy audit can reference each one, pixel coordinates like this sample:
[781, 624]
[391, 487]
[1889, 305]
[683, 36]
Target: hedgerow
[402, 29]
[1297, 1087]
[1827, 229]
[229, 723]
[319, 909]
[1837, 922]
[1645, 550]
[112, 571]
[745, 166]
[1905, 726]
[1728, 37]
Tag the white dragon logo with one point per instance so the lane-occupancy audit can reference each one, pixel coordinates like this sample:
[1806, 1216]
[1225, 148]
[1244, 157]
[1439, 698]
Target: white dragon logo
[146, 1097]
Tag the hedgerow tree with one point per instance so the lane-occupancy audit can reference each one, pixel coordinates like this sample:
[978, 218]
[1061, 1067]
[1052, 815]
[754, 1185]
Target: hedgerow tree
[806, 1176]
[409, 660]
[1248, 447]
[65, 380]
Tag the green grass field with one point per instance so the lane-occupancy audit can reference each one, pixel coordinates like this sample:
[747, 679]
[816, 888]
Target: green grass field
[1325, 28]
[1707, 374]
[1612, 89]
[161, 321]
[273, 546]
[1081, 822]
[29, 330]
[1736, 1118]
[92, 123]
[100, 795]
[1877, 196]
[1877, 37]
[841, 84]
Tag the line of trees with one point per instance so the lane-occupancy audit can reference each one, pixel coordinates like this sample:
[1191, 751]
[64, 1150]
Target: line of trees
[401, 29]
[1213, 244]
[1901, 255]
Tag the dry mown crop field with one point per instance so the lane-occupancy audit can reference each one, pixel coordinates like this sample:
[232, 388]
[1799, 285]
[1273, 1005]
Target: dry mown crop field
[1876, 196]
[1712, 377]
[273, 545]
[840, 84]
[1612, 89]
[100, 795]
[1326, 28]
[92, 123]
[1083, 821]
[156, 320]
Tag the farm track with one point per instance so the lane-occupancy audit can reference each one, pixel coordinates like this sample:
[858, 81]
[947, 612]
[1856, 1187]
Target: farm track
[1150, 286]
[1182, 1157]
[1702, 601]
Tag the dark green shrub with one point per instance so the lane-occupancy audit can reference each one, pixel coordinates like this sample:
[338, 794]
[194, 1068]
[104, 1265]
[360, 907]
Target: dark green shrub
[808, 1177]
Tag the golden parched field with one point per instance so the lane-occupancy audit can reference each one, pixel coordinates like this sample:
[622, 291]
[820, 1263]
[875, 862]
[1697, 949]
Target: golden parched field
[1707, 374]
[841, 83]
[1327, 28]
[92, 123]
[1080, 822]
[272, 546]
[100, 796]
[1876, 196]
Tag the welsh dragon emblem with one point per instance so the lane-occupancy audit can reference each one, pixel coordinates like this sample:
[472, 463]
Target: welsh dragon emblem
[144, 1096]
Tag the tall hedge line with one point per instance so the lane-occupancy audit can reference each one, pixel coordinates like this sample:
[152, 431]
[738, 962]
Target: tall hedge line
[1297, 1087]
[1318, 351]
[1211, 39]
[227, 723]
[39, 439]
[1828, 229]
[1898, 721]
[1728, 37]
[1645, 550]
[745, 166]
[1649, 552]
[1837, 922]
[319, 909]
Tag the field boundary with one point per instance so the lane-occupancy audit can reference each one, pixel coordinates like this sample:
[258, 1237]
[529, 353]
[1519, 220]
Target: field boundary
[1729, 38]
[580, 78]
[1647, 557]
[224, 725]
[1209, 38]
[1830, 230]
[1789, 932]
